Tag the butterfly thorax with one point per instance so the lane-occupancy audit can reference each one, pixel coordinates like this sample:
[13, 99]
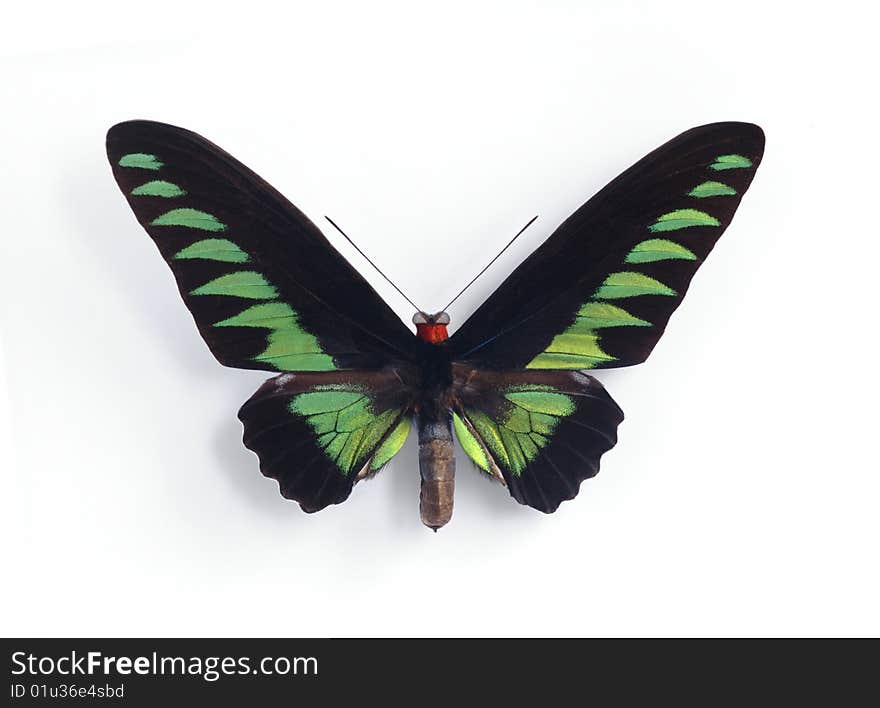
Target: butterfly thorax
[433, 382]
[431, 328]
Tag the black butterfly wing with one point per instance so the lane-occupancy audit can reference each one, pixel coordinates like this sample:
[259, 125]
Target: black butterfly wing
[599, 292]
[268, 291]
[318, 434]
[266, 288]
[541, 432]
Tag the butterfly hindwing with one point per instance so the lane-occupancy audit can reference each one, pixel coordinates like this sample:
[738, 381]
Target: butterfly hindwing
[318, 434]
[542, 432]
[266, 288]
[599, 292]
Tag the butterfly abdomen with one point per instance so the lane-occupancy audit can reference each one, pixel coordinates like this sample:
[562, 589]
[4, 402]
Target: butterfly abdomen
[437, 467]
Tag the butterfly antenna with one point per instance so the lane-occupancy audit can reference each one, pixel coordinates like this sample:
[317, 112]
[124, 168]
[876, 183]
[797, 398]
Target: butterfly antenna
[372, 264]
[489, 264]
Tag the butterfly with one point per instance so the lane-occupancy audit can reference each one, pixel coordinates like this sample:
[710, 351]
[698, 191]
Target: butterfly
[268, 291]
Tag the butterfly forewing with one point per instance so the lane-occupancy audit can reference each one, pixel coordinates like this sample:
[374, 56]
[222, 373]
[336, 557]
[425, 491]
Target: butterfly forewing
[599, 292]
[268, 291]
[266, 288]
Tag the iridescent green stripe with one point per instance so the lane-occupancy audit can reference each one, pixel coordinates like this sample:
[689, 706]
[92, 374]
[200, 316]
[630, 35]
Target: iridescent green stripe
[596, 315]
[515, 453]
[683, 219]
[521, 431]
[314, 402]
[158, 188]
[553, 360]
[290, 340]
[547, 402]
[518, 420]
[346, 427]
[348, 455]
[469, 443]
[213, 249]
[140, 160]
[658, 249]
[272, 315]
[335, 447]
[191, 219]
[355, 416]
[581, 344]
[543, 423]
[528, 446]
[711, 189]
[245, 284]
[291, 348]
[302, 362]
[730, 162]
[629, 284]
[490, 433]
[377, 428]
[392, 444]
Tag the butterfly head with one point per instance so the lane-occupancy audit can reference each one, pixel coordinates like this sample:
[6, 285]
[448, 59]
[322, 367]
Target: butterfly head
[431, 328]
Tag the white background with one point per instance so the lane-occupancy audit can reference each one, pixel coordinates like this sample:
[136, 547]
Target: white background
[743, 495]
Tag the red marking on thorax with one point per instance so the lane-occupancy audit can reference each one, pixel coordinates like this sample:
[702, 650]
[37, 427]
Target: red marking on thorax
[432, 333]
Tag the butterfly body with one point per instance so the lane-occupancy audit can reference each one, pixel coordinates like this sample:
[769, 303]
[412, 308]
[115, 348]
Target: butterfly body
[268, 291]
[433, 412]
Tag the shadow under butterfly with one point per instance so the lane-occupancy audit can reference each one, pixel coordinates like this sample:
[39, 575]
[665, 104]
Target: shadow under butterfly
[268, 291]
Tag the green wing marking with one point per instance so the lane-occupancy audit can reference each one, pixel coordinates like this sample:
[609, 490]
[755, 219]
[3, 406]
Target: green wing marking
[191, 219]
[571, 351]
[630, 284]
[289, 346]
[711, 189]
[470, 444]
[597, 315]
[214, 249]
[658, 249]
[348, 430]
[272, 315]
[392, 444]
[540, 432]
[730, 162]
[318, 434]
[141, 161]
[683, 219]
[580, 345]
[523, 427]
[243, 283]
[158, 188]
